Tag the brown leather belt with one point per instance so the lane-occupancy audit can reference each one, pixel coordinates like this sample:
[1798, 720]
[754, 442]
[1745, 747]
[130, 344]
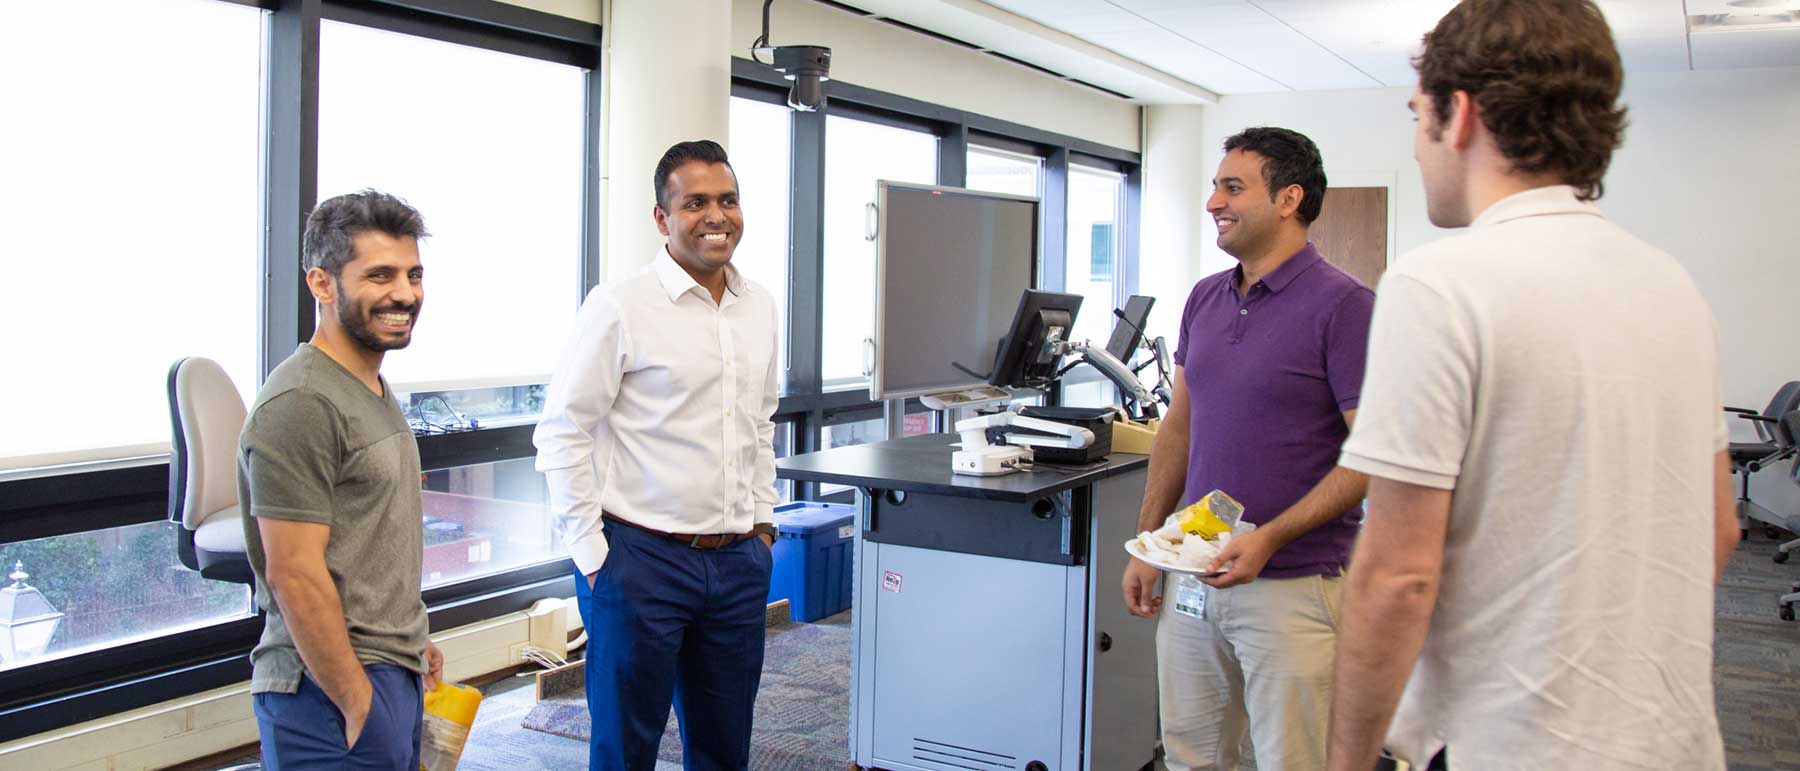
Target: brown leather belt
[704, 541]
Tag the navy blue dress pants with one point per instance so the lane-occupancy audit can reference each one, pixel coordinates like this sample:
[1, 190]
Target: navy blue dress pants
[304, 731]
[667, 623]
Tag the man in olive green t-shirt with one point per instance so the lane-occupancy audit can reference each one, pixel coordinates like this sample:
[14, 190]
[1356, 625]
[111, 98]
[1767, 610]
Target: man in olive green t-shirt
[328, 475]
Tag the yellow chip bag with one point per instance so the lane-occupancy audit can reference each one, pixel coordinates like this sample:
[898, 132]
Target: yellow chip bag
[1213, 514]
[449, 714]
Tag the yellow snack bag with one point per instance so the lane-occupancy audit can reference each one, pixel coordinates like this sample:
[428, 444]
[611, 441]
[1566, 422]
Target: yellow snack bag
[449, 712]
[1213, 514]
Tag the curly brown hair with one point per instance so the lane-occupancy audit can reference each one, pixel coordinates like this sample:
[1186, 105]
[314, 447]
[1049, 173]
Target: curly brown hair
[1546, 77]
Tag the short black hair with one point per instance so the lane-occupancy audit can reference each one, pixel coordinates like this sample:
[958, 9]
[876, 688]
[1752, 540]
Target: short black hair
[334, 224]
[1289, 158]
[702, 150]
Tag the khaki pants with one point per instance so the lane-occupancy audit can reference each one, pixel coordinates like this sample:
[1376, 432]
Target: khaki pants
[1261, 660]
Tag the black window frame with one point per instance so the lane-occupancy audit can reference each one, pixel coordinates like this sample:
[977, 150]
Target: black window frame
[805, 403]
[58, 692]
[64, 691]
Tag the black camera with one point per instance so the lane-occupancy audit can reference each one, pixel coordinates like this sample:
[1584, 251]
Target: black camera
[809, 67]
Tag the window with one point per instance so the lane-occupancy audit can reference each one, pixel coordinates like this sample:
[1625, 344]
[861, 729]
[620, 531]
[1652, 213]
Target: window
[1004, 172]
[784, 446]
[486, 518]
[867, 432]
[487, 146]
[110, 586]
[1095, 205]
[132, 207]
[760, 151]
[857, 154]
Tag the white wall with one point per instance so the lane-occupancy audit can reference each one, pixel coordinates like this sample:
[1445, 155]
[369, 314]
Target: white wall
[584, 10]
[1707, 173]
[877, 55]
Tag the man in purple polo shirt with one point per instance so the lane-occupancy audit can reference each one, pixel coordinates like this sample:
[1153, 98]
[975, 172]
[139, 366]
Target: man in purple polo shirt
[1269, 366]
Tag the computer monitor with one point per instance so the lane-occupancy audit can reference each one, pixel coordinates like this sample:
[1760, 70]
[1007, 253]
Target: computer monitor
[1128, 330]
[1026, 358]
[949, 265]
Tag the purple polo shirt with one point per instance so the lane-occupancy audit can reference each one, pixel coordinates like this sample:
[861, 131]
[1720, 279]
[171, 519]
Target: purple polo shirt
[1269, 376]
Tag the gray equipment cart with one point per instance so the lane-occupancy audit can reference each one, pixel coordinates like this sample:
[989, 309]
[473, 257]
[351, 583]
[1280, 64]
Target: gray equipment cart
[989, 629]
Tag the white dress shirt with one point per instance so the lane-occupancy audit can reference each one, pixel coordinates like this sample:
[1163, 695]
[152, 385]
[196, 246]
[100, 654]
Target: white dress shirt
[1562, 377]
[660, 412]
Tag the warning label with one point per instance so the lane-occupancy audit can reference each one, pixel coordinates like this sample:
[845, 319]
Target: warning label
[890, 581]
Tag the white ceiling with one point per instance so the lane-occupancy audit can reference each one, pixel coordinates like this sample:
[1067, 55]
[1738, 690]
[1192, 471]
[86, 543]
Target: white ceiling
[1192, 50]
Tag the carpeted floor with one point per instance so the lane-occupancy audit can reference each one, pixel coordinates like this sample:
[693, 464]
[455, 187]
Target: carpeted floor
[802, 711]
[802, 706]
[1756, 669]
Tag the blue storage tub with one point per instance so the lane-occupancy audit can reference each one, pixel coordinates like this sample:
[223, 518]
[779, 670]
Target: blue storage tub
[812, 558]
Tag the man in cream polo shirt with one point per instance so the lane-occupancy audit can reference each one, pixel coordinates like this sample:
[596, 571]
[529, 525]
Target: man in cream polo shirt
[1549, 502]
[657, 443]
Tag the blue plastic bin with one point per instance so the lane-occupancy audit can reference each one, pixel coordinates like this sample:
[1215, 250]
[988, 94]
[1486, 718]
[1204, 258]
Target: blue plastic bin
[812, 558]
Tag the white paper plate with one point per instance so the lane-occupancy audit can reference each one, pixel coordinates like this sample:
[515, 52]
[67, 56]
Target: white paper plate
[1134, 549]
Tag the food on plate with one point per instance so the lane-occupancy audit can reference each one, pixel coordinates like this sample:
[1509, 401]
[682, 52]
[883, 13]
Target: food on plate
[1191, 538]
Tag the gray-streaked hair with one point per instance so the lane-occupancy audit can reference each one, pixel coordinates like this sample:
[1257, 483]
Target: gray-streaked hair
[333, 224]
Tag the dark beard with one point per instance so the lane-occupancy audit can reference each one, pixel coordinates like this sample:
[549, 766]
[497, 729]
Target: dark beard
[356, 322]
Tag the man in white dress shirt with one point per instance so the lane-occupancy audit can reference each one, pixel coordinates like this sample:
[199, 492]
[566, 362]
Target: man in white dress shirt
[657, 442]
[1549, 501]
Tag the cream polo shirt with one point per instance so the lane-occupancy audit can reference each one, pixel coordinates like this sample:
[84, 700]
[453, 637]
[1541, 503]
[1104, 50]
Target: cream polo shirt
[660, 411]
[1562, 377]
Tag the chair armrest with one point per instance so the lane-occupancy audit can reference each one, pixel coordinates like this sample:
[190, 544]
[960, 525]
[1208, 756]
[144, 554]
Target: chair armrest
[1762, 425]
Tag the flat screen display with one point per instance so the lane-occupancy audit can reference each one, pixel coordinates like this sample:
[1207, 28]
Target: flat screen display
[951, 265]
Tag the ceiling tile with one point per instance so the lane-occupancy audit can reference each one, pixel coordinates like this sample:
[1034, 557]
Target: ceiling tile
[1168, 52]
[1035, 9]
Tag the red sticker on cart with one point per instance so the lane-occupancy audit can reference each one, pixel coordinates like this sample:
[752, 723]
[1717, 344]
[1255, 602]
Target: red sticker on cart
[890, 581]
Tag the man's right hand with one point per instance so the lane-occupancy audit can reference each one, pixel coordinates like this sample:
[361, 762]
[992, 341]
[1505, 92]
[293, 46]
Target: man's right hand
[355, 719]
[1140, 588]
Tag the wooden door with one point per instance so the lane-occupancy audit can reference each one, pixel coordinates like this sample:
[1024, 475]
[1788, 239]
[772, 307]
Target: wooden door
[1351, 231]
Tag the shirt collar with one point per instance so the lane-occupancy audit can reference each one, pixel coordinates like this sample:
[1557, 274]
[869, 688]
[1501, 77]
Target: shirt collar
[1536, 202]
[676, 281]
[1279, 278]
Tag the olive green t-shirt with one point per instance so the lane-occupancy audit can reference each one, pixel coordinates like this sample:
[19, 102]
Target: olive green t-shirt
[319, 446]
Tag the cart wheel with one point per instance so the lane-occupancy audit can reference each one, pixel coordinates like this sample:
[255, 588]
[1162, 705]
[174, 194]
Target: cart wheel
[1781, 557]
[1787, 611]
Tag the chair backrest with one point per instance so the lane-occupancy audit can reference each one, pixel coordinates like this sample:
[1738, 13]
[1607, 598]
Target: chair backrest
[1786, 400]
[206, 415]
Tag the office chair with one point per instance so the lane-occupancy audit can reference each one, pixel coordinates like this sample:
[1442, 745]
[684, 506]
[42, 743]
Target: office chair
[1776, 444]
[206, 415]
[1789, 600]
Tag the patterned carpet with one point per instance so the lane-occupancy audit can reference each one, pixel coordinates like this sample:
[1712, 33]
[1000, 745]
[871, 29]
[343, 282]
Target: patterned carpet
[1756, 671]
[802, 707]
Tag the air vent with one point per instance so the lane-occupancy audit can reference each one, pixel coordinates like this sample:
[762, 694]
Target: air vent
[934, 754]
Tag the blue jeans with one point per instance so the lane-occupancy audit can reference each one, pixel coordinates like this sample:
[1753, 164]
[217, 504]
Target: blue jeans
[671, 624]
[304, 730]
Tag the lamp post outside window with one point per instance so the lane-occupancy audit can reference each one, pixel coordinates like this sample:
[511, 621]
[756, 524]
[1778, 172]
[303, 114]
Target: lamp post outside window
[27, 620]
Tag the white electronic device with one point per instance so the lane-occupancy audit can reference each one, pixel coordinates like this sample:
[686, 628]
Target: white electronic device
[978, 457]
